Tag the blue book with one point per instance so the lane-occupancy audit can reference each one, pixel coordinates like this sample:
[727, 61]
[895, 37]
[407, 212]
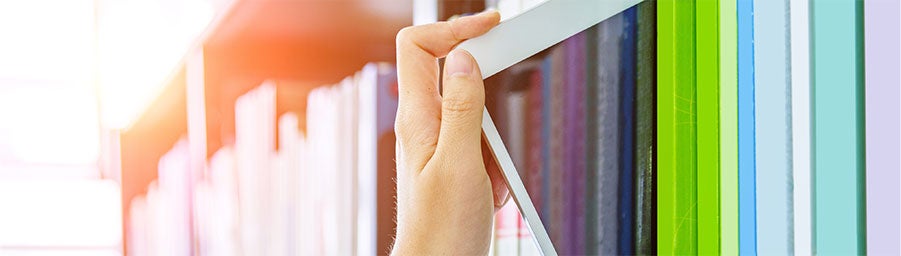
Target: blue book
[627, 131]
[746, 166]
[773, 141]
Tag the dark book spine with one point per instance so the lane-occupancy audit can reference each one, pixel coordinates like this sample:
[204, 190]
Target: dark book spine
[645, 137]
[627, 131]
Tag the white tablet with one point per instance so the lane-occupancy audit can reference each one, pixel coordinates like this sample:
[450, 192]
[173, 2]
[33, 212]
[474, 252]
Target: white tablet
[540, 111]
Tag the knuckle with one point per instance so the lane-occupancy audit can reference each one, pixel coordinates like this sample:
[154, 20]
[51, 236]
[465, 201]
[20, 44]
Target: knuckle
[404, 36]
[460, 105]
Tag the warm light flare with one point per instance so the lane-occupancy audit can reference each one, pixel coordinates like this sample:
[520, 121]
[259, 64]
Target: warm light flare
[140, 45]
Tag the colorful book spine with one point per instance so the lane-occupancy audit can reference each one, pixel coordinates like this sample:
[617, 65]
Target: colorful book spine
[575, 105]
[534, 140]
[882, 128]
[838, 153]
[609, 35]
[772, 94]
[557, 160]
[645, 148]
[677, 129]
[545, 212]
[591, 148]
[800, 127]
[708, 131]
[728, 70]
[747, 220]
[627, 133]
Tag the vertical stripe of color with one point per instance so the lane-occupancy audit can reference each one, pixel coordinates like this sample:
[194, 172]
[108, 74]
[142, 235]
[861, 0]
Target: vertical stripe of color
[838, 165]
[728, 129]
[610, 34]
[883, 108]
[746, 177]
[645, 148]
[676, 115]
[773, 127]
[627, 127]
[800, 95]
[708, 93]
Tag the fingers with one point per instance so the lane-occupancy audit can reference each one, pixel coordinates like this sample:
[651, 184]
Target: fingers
[498, 183]
[419, 104]
[461, 106]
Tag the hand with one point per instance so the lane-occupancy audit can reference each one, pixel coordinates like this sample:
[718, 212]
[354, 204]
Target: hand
[446, 198]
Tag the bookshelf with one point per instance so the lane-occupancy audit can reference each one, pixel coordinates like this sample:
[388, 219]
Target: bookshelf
[306, 43]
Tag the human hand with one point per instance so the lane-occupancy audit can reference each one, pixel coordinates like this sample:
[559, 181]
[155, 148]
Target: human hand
[446, 198]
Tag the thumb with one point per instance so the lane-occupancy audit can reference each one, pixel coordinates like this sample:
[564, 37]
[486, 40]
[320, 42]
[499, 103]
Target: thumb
[461, 105]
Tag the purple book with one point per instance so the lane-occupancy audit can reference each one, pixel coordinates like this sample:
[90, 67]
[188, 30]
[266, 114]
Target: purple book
[575, 142]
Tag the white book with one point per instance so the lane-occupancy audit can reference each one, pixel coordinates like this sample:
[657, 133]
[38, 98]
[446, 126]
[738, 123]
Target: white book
[173, 205]
[254, 142]
[223, 231]
[367, 163]
[290, 144]
[139, 223]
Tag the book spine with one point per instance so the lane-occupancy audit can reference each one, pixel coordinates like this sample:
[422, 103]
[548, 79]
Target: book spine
[386, 105]
[747, 222]
[545, 212]
[559, 229]
[708, 108]
[627, 133]
[608, 109]
[591, 147]
[535, 142]
[773, 127]
[728, 70]
[645, 148]
[838, 154]
[575, 136]
[800, 102]
[677, 129]
[883, 111]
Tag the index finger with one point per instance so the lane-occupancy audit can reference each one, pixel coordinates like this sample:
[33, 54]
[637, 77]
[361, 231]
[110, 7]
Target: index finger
[418, 51]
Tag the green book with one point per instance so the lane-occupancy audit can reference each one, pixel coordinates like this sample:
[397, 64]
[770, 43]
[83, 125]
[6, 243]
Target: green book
[728, 71]
[837, 132]
[677, 214]
[708, 129]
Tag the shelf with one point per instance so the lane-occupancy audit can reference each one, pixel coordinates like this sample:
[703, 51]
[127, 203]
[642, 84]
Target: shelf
[307, 42]
[311, 42]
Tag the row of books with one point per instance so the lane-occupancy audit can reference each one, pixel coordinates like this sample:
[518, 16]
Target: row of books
[578, 122]
[327, 189]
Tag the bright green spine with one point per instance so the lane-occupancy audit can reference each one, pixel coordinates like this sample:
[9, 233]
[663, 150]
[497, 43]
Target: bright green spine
[677, 128]
[708, 130]
[728, 75]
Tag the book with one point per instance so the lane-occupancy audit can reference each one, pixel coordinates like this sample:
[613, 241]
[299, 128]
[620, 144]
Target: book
[627, 132]
[608, 117]
[708, 126]
[801, 126]
[837, 82]
[728, 71]
[772, 107]
[883, 123]
[747, 212]
[676, 129]
[645, 134]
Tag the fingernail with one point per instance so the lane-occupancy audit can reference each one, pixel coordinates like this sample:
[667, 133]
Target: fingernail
[458, 63]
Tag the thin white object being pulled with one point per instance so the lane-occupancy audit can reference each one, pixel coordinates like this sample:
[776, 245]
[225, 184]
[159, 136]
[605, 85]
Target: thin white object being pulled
[536, 29]
[514, 40]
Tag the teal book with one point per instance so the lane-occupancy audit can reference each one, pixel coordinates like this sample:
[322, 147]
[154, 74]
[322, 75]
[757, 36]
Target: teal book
[838, 145]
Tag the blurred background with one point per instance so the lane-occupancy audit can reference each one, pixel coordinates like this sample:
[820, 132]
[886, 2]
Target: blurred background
[203, 127]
